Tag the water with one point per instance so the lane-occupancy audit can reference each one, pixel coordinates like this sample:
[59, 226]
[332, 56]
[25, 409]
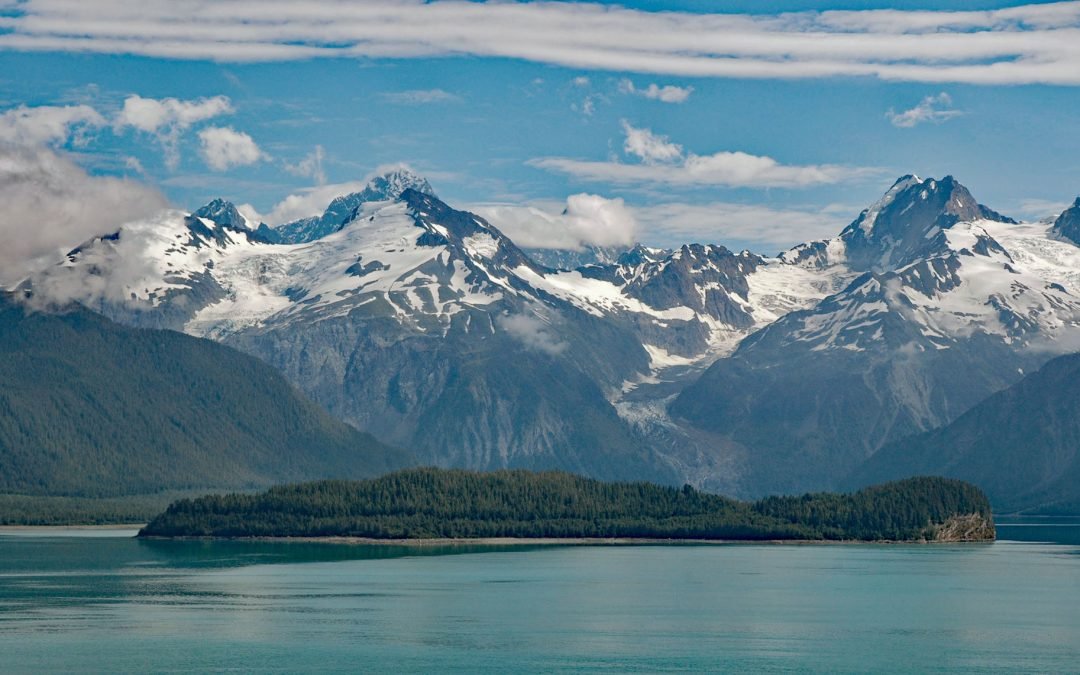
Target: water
[113, 604]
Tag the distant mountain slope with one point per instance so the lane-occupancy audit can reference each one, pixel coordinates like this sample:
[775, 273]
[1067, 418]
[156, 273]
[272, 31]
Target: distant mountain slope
[1021, 445]
[91, 408]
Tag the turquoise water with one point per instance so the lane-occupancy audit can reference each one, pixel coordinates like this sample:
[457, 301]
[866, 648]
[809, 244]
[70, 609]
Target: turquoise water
[112, 604]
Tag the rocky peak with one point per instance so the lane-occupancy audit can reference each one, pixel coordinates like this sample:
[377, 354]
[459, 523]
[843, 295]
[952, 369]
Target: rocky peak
[1067, 225]
[463, 232]
[392, 184]
[909, 221]
[223, 218]
[223, 213]
[344, 208]
[640, 255]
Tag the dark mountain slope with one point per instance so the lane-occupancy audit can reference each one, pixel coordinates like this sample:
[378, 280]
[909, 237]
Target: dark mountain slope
[91, 408]
[1021, 445]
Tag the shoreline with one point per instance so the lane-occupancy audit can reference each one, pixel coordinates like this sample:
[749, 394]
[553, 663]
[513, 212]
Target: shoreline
[115, 526]
[553, 541]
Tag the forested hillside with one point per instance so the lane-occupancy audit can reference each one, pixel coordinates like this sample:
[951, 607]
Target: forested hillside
[89, 408]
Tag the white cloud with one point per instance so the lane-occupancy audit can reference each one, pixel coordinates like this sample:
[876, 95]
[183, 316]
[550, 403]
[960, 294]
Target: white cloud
[44, 125]
[50, 205]
[309, 202]
[168, 118]
[665, 162]
[251, 213]
[649, 147]
[1038, 209]
[420, 97]
[534, 332]
[936, 109]
[223, 148]
[581, 81]
[762, 228]
[310, 166]
[669, 93]
[1034, 43]
[583, 220]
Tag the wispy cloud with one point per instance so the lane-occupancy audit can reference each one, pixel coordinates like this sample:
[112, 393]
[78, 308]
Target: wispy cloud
[534, 331]
[310, 166]
[668, 93]
[936, 109]
[662, 161]
[1034, 43]
[763, 228]
[649, 147]
[420, 97]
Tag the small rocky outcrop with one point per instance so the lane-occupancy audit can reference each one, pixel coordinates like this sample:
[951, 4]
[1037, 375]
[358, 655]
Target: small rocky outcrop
[968, 527]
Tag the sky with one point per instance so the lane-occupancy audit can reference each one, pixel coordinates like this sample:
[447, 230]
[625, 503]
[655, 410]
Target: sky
[754, 124]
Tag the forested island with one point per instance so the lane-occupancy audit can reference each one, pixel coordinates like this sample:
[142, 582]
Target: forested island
[427, 504]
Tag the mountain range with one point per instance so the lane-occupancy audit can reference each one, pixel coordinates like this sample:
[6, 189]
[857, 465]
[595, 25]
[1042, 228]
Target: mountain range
[740, 373]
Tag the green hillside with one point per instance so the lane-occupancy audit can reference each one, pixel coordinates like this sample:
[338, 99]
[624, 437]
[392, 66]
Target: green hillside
[89, 408]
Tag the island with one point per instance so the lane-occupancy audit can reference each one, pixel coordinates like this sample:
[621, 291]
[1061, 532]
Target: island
[428, 504]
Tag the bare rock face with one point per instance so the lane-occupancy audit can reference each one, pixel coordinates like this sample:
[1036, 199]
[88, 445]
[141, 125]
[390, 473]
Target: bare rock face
[969, 527]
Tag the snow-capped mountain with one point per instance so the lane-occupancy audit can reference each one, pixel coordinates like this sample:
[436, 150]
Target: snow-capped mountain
[954, 307]
[341, 210]
[430, 328]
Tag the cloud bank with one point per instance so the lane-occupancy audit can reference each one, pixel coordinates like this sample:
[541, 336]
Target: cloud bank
[1035, 43]
[50, 205]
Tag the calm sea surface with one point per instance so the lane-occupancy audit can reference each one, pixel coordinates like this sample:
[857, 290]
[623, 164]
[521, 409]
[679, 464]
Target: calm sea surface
[115, 604]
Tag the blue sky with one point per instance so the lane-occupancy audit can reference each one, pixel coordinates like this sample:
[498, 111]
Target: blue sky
[517, 124]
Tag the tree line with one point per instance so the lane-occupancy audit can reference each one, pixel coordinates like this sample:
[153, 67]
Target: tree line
[445, 503]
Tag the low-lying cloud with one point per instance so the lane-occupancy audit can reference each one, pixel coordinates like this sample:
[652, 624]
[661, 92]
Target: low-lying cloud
[583, 220]
[533, 332]
[51, 205]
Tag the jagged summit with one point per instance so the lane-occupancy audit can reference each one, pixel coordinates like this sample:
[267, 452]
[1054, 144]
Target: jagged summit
[908, 222]
[384, 187]
[392, 184]
[1067, 225]
[223, 213]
